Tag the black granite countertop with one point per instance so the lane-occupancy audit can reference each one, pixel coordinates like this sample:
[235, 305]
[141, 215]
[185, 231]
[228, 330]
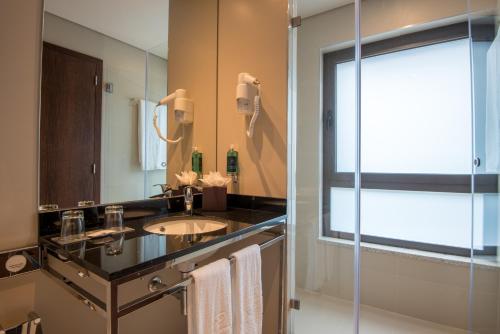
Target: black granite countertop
[139, 250]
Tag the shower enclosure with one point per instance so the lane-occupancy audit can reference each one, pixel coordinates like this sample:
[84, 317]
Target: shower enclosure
[394, 156]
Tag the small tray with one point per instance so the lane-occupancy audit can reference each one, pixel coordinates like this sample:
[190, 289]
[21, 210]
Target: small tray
[94, 234]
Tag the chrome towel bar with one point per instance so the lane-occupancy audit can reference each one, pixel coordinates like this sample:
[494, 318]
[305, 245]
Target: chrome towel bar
[159, 289]
[188, 280]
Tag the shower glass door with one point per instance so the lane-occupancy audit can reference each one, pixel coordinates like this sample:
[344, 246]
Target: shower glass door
[485, 276]
[393, 167]
[416, 165]
[322, 275]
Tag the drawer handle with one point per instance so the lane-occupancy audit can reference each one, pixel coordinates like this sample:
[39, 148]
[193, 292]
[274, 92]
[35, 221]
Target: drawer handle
[83, 274]
[156, 284]
[87, 303]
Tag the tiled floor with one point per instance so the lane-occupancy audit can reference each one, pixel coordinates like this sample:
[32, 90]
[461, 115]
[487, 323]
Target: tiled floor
[326, 315]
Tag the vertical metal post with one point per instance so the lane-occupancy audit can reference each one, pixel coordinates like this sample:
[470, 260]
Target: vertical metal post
[357, 171]
[470, 304]
[112, 308]
[184, 297]
[289, 251]
[283, 284]
[145, 128]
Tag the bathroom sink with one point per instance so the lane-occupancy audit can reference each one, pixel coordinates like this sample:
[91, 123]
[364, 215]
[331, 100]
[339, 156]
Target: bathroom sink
[186, 226]
[188, 230]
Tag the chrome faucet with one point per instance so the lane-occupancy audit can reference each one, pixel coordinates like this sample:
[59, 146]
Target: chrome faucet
[166, 189]
[188, 200]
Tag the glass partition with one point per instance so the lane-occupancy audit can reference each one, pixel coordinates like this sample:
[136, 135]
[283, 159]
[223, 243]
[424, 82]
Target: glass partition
[416, 164]
[156, 86]
[485, 279]
[417, 168]
[323, 268]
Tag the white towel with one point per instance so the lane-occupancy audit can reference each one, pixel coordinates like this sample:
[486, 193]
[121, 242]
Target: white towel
[247, 291]
[152, 150]
[209, 299]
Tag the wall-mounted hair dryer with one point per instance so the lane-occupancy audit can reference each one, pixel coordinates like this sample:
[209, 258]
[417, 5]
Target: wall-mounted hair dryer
[183, 111]
[248, 98]
[183, 106]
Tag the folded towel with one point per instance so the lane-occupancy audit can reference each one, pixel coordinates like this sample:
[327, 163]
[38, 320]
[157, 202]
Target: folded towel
[209, 299]
[247, 291]
[152, 150]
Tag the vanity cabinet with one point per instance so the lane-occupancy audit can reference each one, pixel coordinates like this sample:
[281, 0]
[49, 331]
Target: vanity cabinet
[142, 288]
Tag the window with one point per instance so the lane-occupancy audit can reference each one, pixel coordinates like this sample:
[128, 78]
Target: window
[416, 144]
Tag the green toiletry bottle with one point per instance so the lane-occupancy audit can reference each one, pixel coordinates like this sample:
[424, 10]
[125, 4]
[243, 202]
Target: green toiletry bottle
[232, 168]
[197, 161]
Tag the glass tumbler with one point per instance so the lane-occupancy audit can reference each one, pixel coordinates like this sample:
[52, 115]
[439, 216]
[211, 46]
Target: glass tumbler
[113, 217]
[72, 225]
[115, 247]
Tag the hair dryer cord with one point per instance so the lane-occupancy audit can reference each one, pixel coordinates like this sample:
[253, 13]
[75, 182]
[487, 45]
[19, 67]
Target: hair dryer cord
[255, 115]
[158, 130]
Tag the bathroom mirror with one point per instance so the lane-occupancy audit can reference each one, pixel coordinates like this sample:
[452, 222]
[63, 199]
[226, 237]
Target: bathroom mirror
[105, 66]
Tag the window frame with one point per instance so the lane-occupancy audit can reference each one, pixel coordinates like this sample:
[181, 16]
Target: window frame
[449, 183]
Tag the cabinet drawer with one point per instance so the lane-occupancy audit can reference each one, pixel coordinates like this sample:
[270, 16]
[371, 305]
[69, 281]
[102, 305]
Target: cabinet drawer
[80, 276]
[139, 287]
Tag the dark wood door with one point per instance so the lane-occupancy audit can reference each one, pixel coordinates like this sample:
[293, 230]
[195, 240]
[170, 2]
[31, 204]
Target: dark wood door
[70, 127]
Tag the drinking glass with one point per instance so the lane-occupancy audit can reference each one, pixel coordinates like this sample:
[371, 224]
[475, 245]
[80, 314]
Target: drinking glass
[115, 247]
[72, 225]
[113, 217]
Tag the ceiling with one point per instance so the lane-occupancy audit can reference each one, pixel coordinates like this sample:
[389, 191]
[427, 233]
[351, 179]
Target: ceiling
[143, 24]
[308, 8]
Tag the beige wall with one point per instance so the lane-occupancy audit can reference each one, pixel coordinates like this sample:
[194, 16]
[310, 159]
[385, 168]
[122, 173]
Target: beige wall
[210, 78]
[19, 91]
[17, 299]
[125, 66]
[253, 38]
[192, 65]
[430, 289]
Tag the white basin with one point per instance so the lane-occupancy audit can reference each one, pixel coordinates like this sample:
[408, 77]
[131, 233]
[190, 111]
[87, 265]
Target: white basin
[185, 227]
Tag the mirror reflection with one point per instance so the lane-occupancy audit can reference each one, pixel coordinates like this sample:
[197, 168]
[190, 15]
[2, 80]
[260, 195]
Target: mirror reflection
[107, 119]
[94, 82]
